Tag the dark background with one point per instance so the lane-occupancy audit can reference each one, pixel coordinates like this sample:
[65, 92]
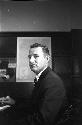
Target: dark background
[66, 62]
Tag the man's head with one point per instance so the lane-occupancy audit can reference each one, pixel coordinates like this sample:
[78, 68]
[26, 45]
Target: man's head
[38, 57]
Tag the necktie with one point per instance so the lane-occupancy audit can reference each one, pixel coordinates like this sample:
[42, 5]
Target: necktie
[35, 80]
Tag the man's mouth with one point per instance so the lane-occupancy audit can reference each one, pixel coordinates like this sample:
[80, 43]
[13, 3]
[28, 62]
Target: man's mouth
[33, 65]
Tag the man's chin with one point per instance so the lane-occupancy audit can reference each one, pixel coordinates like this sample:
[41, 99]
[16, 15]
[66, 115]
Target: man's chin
[34, 70]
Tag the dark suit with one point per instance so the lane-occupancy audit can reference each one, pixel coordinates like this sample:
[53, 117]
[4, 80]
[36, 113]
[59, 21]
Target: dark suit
[47, 99]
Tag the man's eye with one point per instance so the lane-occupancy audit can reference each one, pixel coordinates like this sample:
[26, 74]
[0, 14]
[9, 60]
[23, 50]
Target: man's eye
[36, 56]
[29, 56]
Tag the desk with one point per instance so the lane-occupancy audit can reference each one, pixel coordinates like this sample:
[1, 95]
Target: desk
[13, 115]
[4, 118]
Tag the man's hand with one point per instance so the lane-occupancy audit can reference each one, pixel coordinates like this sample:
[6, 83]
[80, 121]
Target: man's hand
[7, 100]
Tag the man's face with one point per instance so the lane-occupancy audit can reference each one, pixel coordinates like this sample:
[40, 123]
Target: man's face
[37, 59]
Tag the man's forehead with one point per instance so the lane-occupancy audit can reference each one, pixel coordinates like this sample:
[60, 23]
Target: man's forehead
[36, 50]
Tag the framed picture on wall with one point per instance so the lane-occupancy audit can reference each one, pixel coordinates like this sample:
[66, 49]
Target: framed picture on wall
[23, 72]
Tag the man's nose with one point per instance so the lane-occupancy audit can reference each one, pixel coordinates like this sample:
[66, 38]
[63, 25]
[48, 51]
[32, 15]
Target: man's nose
[32, 59]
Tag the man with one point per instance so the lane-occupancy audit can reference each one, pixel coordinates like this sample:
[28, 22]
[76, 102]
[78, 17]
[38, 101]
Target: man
[48, 94]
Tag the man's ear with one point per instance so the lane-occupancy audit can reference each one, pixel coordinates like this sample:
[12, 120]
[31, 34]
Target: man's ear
[48, 57]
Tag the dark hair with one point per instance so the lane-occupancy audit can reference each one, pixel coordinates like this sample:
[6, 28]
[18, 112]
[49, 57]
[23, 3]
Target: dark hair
[44, 47]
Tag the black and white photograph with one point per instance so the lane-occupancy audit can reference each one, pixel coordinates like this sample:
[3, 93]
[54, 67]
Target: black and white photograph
[40, 62]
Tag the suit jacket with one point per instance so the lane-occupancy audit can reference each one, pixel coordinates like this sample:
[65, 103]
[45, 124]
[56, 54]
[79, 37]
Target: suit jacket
[47, 99]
